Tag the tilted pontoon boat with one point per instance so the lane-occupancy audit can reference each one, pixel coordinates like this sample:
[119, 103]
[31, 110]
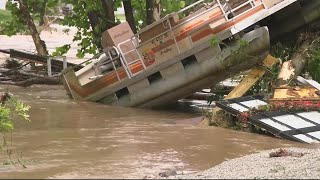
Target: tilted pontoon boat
[172, 58]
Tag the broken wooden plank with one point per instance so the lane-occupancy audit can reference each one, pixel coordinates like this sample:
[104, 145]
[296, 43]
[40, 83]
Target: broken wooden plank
[295, 94]
[255, 74]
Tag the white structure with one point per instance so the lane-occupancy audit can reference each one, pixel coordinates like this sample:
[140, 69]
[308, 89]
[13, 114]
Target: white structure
[3, 4]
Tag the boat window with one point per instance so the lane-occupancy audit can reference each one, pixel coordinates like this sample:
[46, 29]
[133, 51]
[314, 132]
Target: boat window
[189, 61]
[122, 92]
[154, 77]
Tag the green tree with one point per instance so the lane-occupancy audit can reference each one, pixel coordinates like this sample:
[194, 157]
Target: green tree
[24, 14]
[91, 18]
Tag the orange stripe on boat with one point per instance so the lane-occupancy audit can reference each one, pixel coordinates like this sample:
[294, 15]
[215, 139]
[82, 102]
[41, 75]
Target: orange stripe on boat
[111, 78]
[225, 26]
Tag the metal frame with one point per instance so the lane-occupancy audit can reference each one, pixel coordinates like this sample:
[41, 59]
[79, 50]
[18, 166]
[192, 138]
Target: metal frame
[166, 20]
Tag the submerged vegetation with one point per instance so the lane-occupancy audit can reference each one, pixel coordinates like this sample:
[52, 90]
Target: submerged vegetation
[11, 110]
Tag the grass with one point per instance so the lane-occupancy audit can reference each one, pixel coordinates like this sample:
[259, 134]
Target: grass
[4, 15]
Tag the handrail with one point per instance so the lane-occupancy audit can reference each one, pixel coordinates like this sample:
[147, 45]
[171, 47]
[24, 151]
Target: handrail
[203, 25]
[153, 24]
[134, 36]
[171, 29]
[222, 9]
[174, 36]
[111, 59]
[190, 19]
[240, 6]
[248, 9]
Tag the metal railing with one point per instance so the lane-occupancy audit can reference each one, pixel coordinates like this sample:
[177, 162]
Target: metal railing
[167, 24]
[127, 64]
[111, 60]
[49, 67]
[170, 30]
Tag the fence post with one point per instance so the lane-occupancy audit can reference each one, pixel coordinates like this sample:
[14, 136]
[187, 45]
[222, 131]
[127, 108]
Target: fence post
[65, 62]
[49, 66]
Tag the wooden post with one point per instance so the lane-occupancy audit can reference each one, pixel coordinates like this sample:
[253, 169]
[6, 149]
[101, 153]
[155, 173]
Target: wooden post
[49, 66]
[65, 62]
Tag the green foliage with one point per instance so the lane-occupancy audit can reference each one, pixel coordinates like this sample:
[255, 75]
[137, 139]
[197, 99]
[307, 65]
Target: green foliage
[6, 124]
[90, 39]
[313, 63]
[264, 85]
[237, 56]
[214, 41]
[139, 13]
[313, 66]
[167, 7]
[61, 50]
[16, 24]
[11, 110]
[243, 43]
[4, 15]
[283, 51]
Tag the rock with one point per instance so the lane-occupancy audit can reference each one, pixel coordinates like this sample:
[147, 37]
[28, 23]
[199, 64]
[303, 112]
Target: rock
[284, 152]
[168, 173]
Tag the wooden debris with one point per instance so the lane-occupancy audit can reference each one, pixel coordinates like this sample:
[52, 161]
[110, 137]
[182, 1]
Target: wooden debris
[291, 69]
[28, 79]
[255, 74]
[284, 152]
[37, 59]
[295, 94]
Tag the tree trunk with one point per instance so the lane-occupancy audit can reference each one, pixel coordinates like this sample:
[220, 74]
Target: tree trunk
[293, 68]
[157, 10]
[129, 14]
[93, 17]
[43, 12]
[149, 8]
[40, 45]
[109, 12]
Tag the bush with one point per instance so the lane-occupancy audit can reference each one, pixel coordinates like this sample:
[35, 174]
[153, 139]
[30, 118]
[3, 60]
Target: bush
[11, 109]
[313, 65]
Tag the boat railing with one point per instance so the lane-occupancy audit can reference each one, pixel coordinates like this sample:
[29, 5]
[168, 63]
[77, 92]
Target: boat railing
[171, 29]
[112, 60]
[126, 64]
[251, 2]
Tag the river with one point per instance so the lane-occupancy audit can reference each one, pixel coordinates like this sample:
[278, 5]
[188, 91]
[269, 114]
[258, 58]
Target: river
[68, 139]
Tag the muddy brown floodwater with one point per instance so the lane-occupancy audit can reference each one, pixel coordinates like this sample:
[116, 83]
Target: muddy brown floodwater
[68, 139]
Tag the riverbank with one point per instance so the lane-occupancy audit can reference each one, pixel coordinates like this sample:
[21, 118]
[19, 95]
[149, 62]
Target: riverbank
[261, 166]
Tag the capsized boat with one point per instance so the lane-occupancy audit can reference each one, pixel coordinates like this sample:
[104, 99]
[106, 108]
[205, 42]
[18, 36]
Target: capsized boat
[174, 57]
